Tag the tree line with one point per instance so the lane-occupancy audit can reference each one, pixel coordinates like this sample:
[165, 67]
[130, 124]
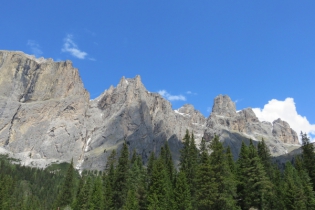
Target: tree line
[206, 178]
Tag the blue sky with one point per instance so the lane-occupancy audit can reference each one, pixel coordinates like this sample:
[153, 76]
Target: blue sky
[257, 52]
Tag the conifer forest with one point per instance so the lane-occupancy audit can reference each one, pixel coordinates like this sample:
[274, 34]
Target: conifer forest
[206, 178]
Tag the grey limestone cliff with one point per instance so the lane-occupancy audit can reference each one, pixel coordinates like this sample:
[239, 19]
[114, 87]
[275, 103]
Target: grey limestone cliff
[46, 116]
[128, 112]
[237, 126]
[42, 107]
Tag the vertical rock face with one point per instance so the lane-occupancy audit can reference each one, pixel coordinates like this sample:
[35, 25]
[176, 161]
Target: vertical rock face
[224, 106]
[42, 107]
[46, 115]
[281, 130]
[235, 127]
[144, 120]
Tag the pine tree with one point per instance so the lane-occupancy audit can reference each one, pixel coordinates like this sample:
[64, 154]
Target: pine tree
[97, 202]
[121, 178]
[308, 155]
[168, 161]
[204, 180]
[265, 157]
[66, 196]
[83, 200]
[160, 189]
[254, 186]
[189, 162]
[230, 160]
[131, 201]
[193, 164]
[293, 194]
[223, 178]
[184, 153]
[182, 196]
[108, 185]
[111, 160]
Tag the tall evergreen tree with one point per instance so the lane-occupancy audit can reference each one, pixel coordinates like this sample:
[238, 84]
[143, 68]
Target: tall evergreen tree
[223, 178]
[308, 155]
[111, 160]
[182, 198]
[66, 195]
[121, 179]
[160, 188]
[184, 153]
[168, 161]
[189, 161]
[293, 194]
[83, 200]
[97, 202]
[204, 180]
[254, 187]
[132, 202]
[230, 160]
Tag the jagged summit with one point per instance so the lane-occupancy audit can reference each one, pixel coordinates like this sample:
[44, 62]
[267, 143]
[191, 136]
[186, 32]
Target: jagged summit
[224, 106]
[46, 115]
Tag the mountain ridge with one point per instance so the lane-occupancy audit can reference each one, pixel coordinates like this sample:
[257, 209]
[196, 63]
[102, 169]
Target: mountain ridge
[46, 114]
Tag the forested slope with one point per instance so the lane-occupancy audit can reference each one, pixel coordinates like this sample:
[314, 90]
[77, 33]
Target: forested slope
[204, 180]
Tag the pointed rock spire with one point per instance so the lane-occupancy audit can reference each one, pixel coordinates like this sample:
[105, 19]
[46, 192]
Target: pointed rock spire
[224, 106]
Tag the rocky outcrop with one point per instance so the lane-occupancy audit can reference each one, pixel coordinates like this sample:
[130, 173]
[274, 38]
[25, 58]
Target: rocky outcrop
[42, 107]
[235, 127]
[46, 116]
[128, 112]
[281, 130]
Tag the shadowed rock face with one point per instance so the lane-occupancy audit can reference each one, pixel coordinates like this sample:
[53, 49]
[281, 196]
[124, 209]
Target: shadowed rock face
[46, 115]
[144, 120]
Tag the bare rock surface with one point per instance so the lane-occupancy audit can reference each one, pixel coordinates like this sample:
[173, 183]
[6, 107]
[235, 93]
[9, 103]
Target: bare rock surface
[128, 112]
[42, 107]
[46, 116]
[235, 127]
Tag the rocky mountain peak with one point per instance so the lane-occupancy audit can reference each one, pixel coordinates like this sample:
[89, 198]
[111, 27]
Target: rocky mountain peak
[224, 106]
[46, 115]
[283, 131]
[187, 109]
[134, 82]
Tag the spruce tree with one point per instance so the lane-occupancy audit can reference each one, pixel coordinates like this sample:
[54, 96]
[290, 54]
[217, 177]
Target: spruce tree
[223, 178]
[108, 186]
[293, 194]
[132, 202]
[97, 202]
[83, 201]
[308, 155]
[168, 161]
[230, 160]
[121, 178]
[184, 153]
[182, 198]
[66, 195]
[189, 161]
[206, 187]
[254, 187]
[160, 187]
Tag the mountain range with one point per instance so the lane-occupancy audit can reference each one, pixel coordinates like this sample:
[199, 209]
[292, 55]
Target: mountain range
[46, 116]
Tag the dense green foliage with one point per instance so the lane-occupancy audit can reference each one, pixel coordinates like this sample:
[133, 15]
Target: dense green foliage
[206, 178]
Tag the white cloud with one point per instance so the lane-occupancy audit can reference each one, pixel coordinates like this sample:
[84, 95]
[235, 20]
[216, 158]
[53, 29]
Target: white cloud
[70, 47]
[35, 48]
[170, 97]
[190, 93]
[285, 110]
[209, 109]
